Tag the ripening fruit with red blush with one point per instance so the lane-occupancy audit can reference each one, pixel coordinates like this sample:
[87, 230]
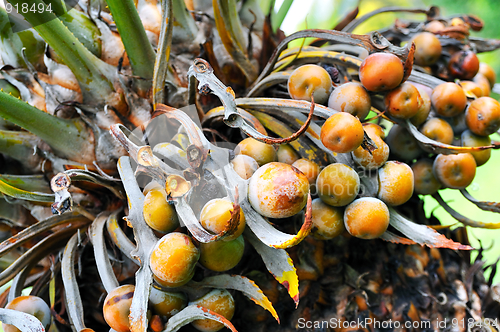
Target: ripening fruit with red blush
[403, 102]
[352, 98]
[116, 307]
[427, 48]
[483, 116]
[310, 80]
[425, 181]
[448, 99]
[455, 171]
[174, 259]
[464, 65]
[439, 130]
[342, 133]
[366, 218]
[395, 183]
[219, 301]
[278, 190]
[32, 305]
[381, 72]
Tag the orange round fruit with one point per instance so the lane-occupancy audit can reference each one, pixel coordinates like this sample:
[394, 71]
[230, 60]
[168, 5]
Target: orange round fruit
[158, 213]
[116, 307]
[244, 166]
[32, 305]
[286, 154]
[342, 133]
[448, 99]
[403, 102]
[455, 171]
[425, 181]
[310, 80]
[375, 158]
[366, 218]
[338, 184]
[488, 72]
[427, 48]
[352, 98]
[174, 259]
[219, 301]
[165, 303]
[278, 190]
[262, 153]
[395, 183]
[328, 221]
[381, 72]
[483, 116]
[439, 130]
[215, 216]
[470, 139]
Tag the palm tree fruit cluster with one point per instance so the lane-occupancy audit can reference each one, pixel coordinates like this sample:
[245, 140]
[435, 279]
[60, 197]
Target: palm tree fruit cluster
[179, 167]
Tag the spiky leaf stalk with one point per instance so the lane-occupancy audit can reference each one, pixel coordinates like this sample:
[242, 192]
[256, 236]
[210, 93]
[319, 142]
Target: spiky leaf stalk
[68, 138]
[94, 76]
[139, 50]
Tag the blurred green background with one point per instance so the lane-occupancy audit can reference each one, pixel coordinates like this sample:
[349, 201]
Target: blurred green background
[486, 186]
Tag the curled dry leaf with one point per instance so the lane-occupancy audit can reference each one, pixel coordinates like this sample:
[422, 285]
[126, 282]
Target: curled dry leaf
[278, 263]
[239, 283]
[194, 312]
[24, 322]
[391, 237]
[145, 240]
[218, 112]
[203, 72]
[302, 145]
[74, 304]
[483, 205]
[436, 147]
[29, 233]
[464, 220]
[373, 42]
[270, 235]
[120, 240]
[314, 55]
[104, 267]
[422, 234]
